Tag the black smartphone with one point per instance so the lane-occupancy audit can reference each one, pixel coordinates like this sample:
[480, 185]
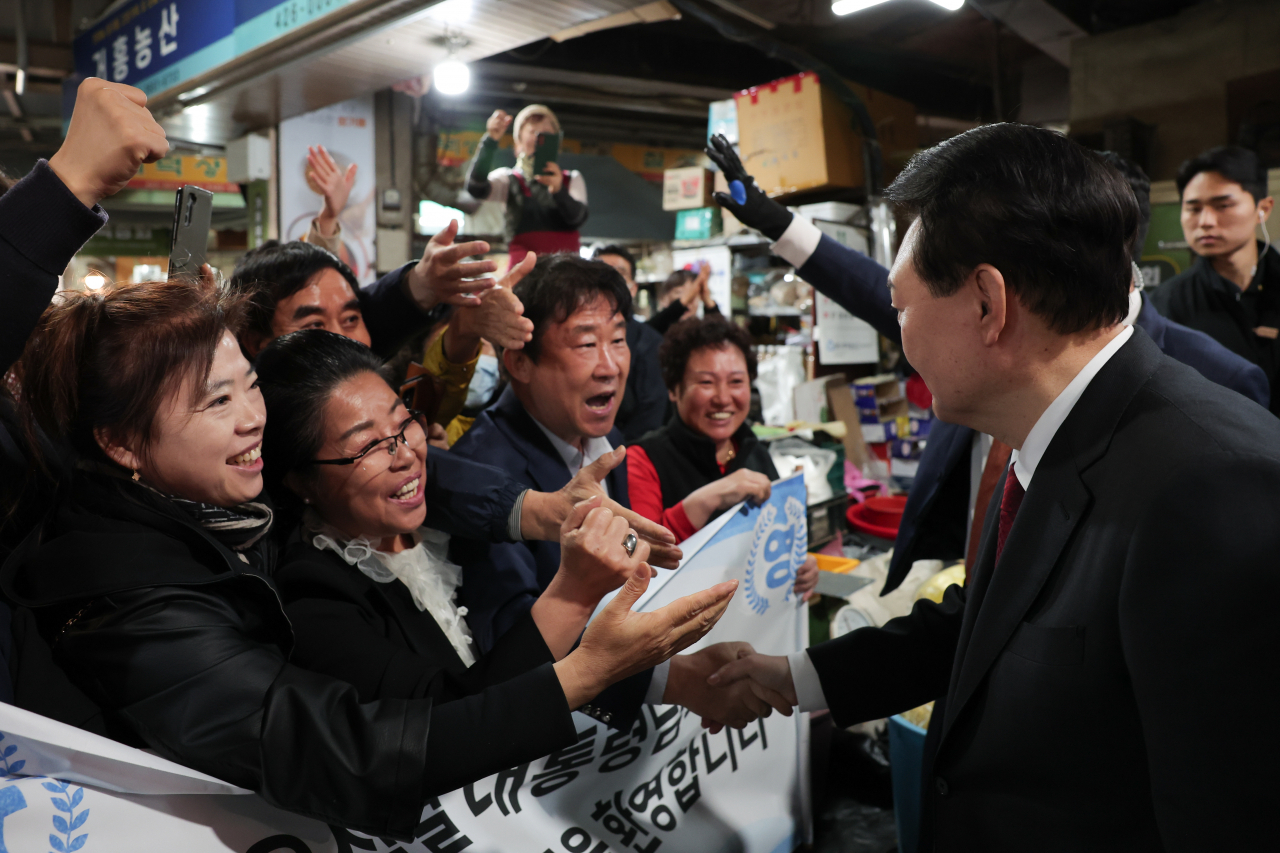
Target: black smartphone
[547, 150]
[192, 217]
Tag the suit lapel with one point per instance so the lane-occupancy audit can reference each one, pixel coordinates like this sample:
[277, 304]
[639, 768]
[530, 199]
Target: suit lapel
[1001, 594]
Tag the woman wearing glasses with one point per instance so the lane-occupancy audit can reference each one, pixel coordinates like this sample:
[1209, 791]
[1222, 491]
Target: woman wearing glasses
[152, 583]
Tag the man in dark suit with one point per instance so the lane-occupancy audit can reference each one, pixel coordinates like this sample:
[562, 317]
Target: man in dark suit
[945, 508]
[644, 405]
[555, 418]
[1110, 611]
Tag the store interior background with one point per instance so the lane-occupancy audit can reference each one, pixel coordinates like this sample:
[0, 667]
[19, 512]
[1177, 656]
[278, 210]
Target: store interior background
[634, 84]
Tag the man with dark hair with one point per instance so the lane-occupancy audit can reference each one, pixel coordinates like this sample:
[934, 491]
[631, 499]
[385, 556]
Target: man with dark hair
[1232, 292]
[958, 471]
[1089, 645]
[555, 418]
[645, 400]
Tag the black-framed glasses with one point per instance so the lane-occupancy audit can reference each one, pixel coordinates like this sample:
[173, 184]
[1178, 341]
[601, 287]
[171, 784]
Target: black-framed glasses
[391, 442]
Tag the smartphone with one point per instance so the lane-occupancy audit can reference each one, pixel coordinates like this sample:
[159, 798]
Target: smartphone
[192, 218]
[546, 151]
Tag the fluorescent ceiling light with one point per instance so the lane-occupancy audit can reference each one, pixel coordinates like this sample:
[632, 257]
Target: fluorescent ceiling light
[848, 7]
[451, 77]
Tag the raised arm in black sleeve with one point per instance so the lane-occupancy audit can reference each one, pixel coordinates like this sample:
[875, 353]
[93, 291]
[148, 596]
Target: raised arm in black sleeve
[42, 225]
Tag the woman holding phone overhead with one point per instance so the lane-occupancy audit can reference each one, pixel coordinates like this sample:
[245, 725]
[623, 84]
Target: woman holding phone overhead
[545, 205]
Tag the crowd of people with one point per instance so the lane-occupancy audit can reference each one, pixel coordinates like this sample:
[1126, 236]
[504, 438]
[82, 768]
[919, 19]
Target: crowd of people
[242, 529]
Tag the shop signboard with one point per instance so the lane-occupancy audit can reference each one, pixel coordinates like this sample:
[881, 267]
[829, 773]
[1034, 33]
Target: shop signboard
[158, 44]
[170, 173]
[665, 786]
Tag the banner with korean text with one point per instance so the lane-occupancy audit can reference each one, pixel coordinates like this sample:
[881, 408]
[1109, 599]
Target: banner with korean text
[665, 786]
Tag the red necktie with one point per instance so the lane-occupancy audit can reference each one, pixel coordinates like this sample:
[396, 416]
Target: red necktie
[1013, 494]
[997, 461]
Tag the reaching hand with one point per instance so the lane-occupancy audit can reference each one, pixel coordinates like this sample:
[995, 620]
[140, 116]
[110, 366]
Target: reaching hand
[619, 643]
[757, 210]
[552, 179]
[334, 184]
[589, 481]
[497, 125]
[772, 672]
[498, 317]
[807, 578]
[734, 705]
[593, 559]
[111, 134]
[442, 276]
[705, 502]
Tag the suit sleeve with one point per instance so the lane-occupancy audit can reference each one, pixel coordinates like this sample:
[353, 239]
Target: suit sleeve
[1251, 381]
[42, 225]
[857, 283]
[1199, 632]
[200, 680]
[468, 498]
[391, 316]
[876, 672]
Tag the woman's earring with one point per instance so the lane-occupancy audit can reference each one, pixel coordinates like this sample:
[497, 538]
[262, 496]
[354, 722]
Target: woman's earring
[136, 475]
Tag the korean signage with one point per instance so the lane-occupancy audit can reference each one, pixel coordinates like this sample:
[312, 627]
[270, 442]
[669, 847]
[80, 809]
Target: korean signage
[158, 44]
[170, 173]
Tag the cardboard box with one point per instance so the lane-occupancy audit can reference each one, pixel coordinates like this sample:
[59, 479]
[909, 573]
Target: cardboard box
[685, 189]
[700, 224]
[795, 135]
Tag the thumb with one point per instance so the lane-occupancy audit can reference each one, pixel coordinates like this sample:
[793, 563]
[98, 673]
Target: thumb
[578, 514]
[351, 173]
[444, 237]
[600, 468]
[520, 270]
[632, 589]
[726, 202]
[732, 672]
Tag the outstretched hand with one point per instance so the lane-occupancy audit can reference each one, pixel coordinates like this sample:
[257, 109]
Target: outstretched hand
[619, 642]
[443, 277]
[752, 207]
[498, 316]
[772, 672]
[111, 134]
[734, 705]
[664, 552]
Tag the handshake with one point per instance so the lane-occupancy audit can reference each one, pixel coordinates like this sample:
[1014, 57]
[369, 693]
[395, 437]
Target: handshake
[729, 684]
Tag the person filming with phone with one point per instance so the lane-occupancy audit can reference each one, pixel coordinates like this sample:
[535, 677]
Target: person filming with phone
[545, 205]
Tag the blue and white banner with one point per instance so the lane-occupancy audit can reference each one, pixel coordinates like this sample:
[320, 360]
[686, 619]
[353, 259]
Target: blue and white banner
[665, 786]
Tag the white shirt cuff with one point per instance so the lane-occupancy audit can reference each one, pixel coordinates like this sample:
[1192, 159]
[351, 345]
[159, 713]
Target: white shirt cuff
[809, 695]
[658, 684]
[798, 242]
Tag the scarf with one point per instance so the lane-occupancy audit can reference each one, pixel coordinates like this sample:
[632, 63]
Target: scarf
[239, 528]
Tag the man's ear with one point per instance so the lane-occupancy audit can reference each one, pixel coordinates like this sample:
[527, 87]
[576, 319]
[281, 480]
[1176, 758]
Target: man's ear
[988, 286]
[117, 453]
[518, 365]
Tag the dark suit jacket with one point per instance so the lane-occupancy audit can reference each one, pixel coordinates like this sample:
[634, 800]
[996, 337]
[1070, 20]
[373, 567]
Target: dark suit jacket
[1133, 601]
[935, 520]
[502, 581]
[644, 403]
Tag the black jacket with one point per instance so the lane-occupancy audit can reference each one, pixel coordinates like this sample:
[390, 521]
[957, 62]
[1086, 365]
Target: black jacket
[1204, 300]
[685, 460]
[1134, 600]
[188, 651]
[644, 402]
[372, 636]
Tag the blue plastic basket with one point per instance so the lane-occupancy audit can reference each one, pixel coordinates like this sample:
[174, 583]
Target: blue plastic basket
[906, 759]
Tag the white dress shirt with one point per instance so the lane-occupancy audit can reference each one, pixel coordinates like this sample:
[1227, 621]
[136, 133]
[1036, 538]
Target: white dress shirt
[803, 674]
[575, 459]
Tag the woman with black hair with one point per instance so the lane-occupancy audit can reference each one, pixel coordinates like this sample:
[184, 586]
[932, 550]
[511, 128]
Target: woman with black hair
[152, 582]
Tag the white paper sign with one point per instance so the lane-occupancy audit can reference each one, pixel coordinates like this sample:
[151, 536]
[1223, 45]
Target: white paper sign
[665, 786]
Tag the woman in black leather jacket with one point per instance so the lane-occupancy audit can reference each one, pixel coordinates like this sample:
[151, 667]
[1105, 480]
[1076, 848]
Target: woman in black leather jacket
[152, 582]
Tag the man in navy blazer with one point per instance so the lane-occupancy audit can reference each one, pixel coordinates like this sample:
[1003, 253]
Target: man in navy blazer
[937, 518]
[555, 418]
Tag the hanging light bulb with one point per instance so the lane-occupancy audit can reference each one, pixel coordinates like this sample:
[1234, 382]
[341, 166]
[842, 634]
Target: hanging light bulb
[848, 7]
[451, 77]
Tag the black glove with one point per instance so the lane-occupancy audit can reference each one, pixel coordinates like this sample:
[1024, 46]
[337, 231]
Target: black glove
[759, 211]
